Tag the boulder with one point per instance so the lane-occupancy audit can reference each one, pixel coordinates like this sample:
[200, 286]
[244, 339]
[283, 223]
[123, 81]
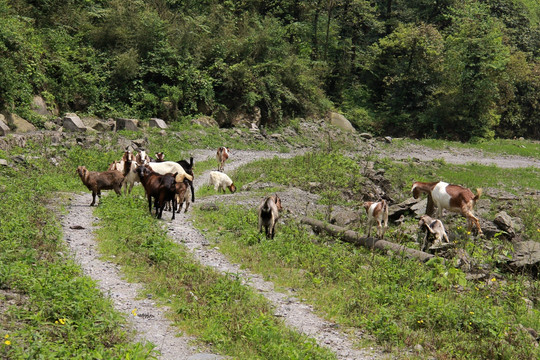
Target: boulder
[344, 217]
[72, 122]
[366, 136]
[341, 122]
[20, 125]
[39, 106]
[127, 124]
[205, 121]
[505, 223]
[526, 256]
[4, 129]
[159, 123]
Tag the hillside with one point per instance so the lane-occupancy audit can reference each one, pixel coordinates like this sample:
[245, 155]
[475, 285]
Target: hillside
[210, 276]
[456, 70]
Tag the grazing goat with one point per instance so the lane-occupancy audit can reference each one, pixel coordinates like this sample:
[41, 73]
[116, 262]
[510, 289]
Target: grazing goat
[377, 211]
[127, 168]
[172, 167]
[188, 168]
[433, 227]
[97, 181]
[268, 215]
[142, 158]
[160, 187]
[454, 198]
[160, 157]
[182, 195]
[221, 181]
[221, 156]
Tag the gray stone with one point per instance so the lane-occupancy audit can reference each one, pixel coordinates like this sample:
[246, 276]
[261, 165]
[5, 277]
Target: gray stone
[504, 222]
[3, 162]
[366, 136]
[4, 129]
[343, 217]
[20, 124]
[341, 122]
[205, 121]
[39, 106]
[159, 123]
[127, 124]
[72, 122]
[526, 253]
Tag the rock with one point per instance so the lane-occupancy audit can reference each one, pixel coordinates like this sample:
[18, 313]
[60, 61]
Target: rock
[127, 124]
[4, 129]
[3, 162]
[159, 123]
[39, 106]
[419, 208]
[20, 124]
[344, 217]
[366, 136]
[388, 139]
[101, 125]
[205, 121]
[526, 254]
[341, 122]
[505, 223]
[72, 122]
[395, 211]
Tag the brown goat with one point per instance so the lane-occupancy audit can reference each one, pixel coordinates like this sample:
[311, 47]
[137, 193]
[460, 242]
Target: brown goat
[160, 187]
[97, 181]
[268, 215]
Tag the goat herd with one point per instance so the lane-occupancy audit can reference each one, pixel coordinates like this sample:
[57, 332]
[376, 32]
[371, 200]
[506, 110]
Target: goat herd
[167, 182]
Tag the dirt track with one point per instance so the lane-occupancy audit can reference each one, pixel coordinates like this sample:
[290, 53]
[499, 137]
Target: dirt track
[151, 324]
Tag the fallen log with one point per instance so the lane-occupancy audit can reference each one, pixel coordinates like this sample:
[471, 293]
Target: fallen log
[354, 238]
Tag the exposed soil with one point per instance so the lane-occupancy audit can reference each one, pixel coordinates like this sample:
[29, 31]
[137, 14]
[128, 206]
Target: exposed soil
[150, 324]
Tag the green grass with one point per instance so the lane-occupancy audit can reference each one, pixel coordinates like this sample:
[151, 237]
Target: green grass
[217, 309]
[48, 308]
[399, 301]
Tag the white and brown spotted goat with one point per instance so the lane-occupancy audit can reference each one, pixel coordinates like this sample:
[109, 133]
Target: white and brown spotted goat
[222, 155]
[377, 211]
[454, 198]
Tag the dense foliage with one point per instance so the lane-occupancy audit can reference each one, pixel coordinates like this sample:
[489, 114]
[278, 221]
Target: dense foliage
[453, 69]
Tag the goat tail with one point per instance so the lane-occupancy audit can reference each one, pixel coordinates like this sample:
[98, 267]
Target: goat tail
[478, 194]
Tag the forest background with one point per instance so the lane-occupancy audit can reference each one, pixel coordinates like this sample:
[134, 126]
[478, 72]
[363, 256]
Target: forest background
[455, 69]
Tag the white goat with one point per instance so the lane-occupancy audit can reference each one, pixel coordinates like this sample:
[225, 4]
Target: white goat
[377, 211]
[172, 167]
[434, 227]
[221, 181]
[454, 198]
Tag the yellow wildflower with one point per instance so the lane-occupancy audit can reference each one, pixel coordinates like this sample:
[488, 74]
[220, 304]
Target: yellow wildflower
[493, 279]
[7, 342]
[62, 321]
[134, 312]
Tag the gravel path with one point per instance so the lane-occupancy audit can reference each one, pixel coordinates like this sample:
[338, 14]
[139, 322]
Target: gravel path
[149, 323]
[295, 313]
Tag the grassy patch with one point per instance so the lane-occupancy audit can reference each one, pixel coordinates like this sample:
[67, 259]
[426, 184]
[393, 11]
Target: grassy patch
[48, 309]
[218, 309]
[400, 301]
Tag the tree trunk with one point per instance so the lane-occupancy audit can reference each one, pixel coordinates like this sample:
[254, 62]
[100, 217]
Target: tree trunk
[354, 238]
